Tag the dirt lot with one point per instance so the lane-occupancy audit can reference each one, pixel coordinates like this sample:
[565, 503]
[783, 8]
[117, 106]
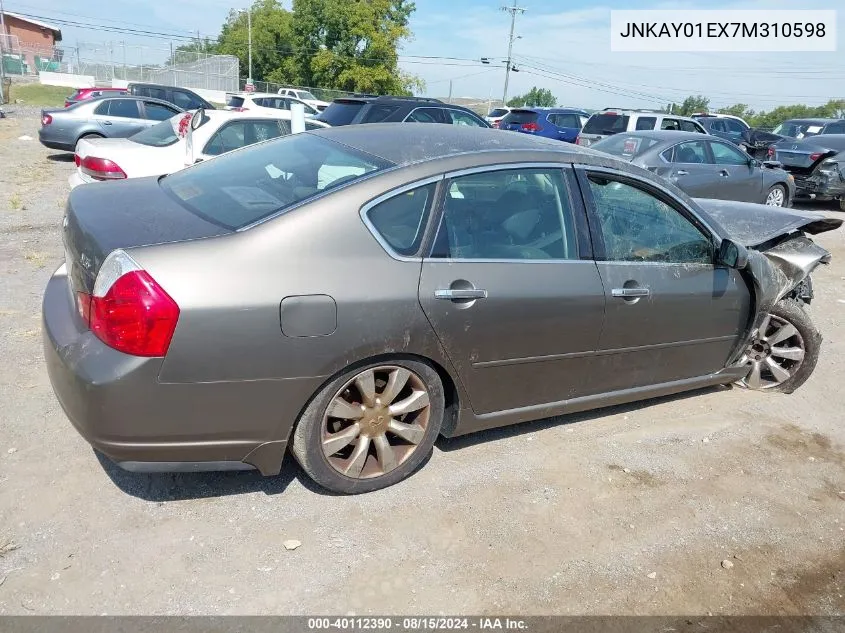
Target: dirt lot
[629, 510]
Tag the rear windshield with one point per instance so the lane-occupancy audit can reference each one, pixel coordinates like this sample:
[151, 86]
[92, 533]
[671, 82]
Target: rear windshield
[161, 134]
[242, 187]
[341, 112]
[624, 145]
[520, 117]
[378, 112]
[497, 112]
[235, 102]
[606, 124]
[798, 129]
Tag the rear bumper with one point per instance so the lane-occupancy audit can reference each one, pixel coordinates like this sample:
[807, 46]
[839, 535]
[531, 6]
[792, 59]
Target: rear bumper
[822, 182]
[117, 404]
[77, 179]
[53, 143]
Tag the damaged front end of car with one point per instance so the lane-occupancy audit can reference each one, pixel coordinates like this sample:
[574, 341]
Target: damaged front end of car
[780, 256]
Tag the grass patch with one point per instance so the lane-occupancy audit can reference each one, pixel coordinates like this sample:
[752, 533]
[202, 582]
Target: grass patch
[15, 202]
[37, 258]
[39, 95]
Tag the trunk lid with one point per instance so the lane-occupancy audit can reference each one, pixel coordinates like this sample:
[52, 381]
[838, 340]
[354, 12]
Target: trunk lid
[102, 217]
[801, 157]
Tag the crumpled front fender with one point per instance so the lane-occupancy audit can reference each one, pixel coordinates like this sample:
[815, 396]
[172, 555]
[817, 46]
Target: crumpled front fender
[773, 274]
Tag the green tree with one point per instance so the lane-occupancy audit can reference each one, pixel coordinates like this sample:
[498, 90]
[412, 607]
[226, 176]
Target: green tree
[740, 109]
[534, 98]
[272, 39]
[349, 45]
[185, 53]
[690, 105]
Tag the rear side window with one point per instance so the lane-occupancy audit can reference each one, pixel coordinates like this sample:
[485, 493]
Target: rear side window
[835, 128]
[692, 152]
[158, 111]
[691, 126]
[606, 124]
[238, 189]
[378, 112]
[428, 115]
[519, 117]
[645, 123]
[186, 101]
[670, 124]
[565, 120]
[400, 220]
[341, 112]
[625, 146]
[465, 118]
[235, 102]
[240, 134]
[125, 108]
[735, 126]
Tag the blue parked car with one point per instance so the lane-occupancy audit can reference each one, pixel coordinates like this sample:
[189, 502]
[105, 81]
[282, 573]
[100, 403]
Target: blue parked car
[560, 123]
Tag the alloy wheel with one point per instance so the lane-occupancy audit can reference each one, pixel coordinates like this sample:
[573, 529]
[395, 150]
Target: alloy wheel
[775, 197]
[775, 354]
[375, 421]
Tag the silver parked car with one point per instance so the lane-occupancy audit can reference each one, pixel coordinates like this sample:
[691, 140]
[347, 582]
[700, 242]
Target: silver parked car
[353, 293]
[704, 166]
[107, 117]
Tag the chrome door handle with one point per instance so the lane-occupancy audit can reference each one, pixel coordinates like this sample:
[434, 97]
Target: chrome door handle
[724, 173]
[460, 293]
[626, 293]
[682, 172]
[106, 122]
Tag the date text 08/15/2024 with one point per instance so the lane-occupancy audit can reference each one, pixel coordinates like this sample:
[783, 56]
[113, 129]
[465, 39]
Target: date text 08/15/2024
[415, 624]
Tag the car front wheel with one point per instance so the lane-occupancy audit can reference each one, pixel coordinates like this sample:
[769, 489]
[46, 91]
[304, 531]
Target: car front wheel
[371, 427]
[776, 197]
[783, 354]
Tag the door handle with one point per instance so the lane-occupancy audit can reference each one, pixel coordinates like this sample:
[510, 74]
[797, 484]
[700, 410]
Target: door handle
[682, 172]
[627, 293]
[106, 122]
[724, 173]
[451, 294]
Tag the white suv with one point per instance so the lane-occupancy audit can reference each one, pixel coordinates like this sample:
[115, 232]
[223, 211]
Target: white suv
[611, 121]
[306, 96]
[264, 103]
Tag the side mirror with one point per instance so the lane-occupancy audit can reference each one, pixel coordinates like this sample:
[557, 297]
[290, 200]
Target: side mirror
[772, 164]
[753, 162]
[732, 255]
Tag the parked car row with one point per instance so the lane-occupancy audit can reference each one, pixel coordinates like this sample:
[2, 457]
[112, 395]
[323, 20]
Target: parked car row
[215, 318]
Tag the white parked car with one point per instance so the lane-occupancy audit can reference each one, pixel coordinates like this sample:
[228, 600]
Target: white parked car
[495, 116]
[304, 95]
[264, 102]
[177, 143]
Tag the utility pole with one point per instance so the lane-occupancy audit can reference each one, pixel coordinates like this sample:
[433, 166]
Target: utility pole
[123, 46]
[249, 34]
[449, 100]
[513, 10]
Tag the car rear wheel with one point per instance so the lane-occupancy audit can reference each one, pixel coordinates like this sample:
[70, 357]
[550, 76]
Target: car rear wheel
[783, 354]
[776, 196]
[371, 427]
[842, 204]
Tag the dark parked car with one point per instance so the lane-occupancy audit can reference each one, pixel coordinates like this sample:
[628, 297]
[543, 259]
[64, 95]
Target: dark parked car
[817, 163]
[704, 166]
[758, 142]
[366, 109]
[355, 292]
[182, 97]
[104, 117]
[730, 128]
[562, 124]
[612, 121]
[92, 93]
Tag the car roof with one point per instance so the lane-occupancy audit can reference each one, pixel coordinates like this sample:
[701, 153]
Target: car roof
[621, 111]
[669, 135]
[811, 120]
[547, 110]
[403, 144]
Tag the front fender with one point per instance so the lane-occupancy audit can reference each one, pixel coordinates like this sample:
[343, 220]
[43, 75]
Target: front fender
[772, 275]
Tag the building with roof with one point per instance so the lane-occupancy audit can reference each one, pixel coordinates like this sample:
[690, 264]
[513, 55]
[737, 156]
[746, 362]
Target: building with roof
[29, 45]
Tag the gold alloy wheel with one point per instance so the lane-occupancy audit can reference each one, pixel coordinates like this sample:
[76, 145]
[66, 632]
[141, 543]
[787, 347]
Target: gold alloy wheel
[375, 421]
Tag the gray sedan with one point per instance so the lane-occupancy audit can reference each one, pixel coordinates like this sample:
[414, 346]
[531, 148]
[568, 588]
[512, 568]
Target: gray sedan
[106, 117]
[704, 166]
[353, 293]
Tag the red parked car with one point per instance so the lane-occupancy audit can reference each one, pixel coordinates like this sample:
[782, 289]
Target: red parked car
[82, 94]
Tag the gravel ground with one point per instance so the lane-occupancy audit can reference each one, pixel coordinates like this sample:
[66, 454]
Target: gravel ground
[630, 510]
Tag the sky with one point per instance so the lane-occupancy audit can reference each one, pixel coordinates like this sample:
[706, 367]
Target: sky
[564, 46]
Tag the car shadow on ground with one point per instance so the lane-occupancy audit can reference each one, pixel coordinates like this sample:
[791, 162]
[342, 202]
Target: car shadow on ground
[161, 487]
[61, 158]
[526, 428]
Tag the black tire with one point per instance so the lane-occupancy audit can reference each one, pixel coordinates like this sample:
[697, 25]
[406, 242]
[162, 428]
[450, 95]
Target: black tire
[306, 446]
[792, 311]
[783, 191]
[842, 204]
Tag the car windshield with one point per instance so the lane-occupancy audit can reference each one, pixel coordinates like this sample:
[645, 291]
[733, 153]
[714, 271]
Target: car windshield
[240, 188]
[235, 102]
[609, 123]
[160, 135]
[625, 146]
[341, 112]
[305, 95]
[798, 129]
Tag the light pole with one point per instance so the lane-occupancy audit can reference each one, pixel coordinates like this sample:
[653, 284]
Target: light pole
[249, 35]
[513, 10]
[2, 55]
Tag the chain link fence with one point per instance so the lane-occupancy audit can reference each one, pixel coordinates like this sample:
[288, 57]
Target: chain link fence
[324, 94]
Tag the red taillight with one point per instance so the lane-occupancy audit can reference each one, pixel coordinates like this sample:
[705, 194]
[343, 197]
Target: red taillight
[495, 124]
[815, 156]
[46, 119]
[240, 109]
[67, 104]
[101, 168]
[129, 311]
[771, 152]
[530, 127]
[77, 160]
[578, 140]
